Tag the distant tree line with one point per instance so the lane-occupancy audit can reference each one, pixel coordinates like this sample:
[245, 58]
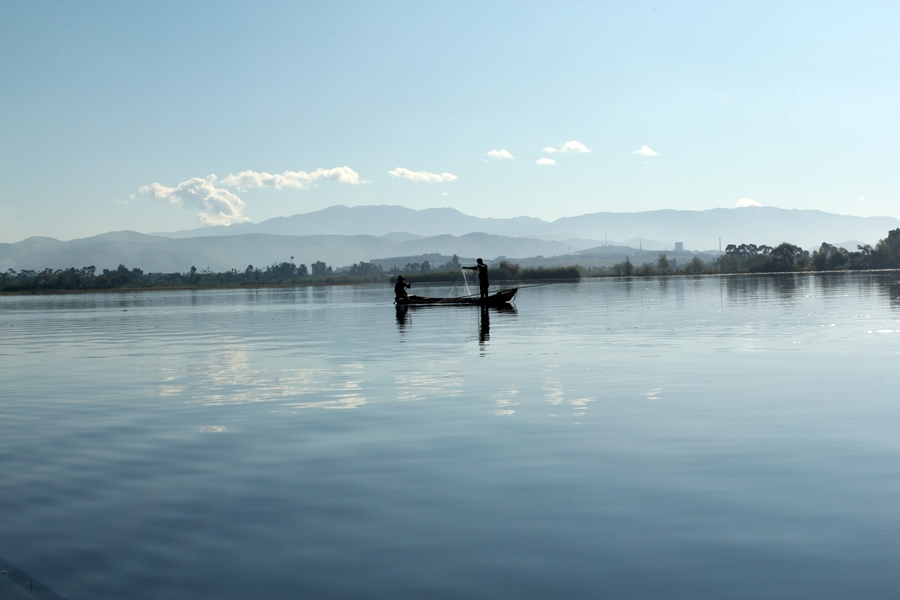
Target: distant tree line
[662, 266]
[786, 257]
[425, 267]
[87, 278]
[285, 273]
[744, 258]
[505, 270]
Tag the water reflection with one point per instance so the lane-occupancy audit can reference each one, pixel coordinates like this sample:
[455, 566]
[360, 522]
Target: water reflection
[431, 380]
[484, 325]
[755, 464]
[893, 290]
[679, 293]
[402, 311]
[229, 376]
[404, 320]
[504, 400]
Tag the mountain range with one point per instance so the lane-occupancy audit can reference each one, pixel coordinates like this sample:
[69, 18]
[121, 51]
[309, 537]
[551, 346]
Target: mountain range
[698, 230]
[342, 235]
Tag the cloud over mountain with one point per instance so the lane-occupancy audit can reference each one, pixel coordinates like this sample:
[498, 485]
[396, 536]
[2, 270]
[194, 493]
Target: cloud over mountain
[422, 176]
[292, 179]
[214, 205]
[219, 206]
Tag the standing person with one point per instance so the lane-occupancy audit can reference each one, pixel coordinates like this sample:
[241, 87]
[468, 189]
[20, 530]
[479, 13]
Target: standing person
[400, 288]
[482, 277]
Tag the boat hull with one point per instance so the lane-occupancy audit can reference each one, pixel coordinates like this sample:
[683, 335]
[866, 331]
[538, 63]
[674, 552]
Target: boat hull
[501, 298]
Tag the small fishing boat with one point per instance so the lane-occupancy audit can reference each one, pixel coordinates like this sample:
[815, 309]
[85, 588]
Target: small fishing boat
[501, 298]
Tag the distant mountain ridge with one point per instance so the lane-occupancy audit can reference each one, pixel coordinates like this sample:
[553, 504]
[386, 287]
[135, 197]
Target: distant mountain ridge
[342, 235]
[698, 230]
[375, 220]
[154, 253]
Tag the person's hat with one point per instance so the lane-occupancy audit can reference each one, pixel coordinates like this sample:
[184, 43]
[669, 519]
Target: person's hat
[399, 277]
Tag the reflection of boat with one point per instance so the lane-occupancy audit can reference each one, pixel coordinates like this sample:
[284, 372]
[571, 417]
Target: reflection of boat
[501, 298]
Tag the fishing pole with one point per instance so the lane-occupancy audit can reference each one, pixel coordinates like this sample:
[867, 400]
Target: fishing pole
[534, 285]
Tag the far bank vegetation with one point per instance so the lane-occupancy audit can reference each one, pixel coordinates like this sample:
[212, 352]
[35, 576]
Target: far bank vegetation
[743, 258]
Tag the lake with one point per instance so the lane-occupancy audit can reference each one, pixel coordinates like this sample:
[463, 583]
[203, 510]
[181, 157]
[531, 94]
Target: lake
[709, 437]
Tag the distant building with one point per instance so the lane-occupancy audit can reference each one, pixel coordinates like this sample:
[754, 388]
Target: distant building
[679, 246]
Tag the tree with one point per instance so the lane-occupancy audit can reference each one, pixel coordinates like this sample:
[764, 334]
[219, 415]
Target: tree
[364, 269]
[863, 258]
[282, 272]
[662, 264]
[887, 251]
[783, 257]
[624, 268]
[829, 258]
[508, 268]
[695, 266]
[645, 269]
[320, 269]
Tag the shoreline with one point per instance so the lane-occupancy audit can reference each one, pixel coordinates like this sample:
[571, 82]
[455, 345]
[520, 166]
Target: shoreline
[344, 283]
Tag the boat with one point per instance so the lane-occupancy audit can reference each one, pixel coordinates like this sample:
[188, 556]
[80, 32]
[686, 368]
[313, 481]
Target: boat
[501, 298]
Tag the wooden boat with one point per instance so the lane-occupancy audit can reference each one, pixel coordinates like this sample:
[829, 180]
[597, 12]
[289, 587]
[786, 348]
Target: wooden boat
[501, 298]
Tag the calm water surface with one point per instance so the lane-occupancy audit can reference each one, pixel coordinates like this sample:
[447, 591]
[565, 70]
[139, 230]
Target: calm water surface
[729, 437]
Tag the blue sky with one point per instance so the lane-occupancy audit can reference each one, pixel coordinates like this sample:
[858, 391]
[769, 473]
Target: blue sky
[115, 115]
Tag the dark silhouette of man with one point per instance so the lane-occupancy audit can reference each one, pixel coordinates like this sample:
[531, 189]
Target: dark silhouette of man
[482, 277]
[400, 288]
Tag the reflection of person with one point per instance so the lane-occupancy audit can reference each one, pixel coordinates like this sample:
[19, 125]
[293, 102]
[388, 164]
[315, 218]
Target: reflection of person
[482, 277]
[400, 289]
[484, 330]
[402, 311]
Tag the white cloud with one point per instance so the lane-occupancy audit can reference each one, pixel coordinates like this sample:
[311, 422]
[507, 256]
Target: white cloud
[500, 154]
[219, 206]
[572, 146]
[422, 175]
[862, 199]
[646, 151]
[293, 179]
[214, 206]
[745, 202]
[545, 162]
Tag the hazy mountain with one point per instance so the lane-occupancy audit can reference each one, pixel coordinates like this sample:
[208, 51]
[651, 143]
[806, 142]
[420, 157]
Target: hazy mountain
[698, 230]
[341, 236]
[701, 230]
[220, 253]
[371, 220]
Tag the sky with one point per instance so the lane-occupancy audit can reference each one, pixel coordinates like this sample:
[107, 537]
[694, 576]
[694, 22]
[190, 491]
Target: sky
[163, 116]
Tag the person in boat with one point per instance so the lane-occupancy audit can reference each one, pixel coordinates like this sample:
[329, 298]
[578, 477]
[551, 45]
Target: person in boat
[483, 283]
[400, 289]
